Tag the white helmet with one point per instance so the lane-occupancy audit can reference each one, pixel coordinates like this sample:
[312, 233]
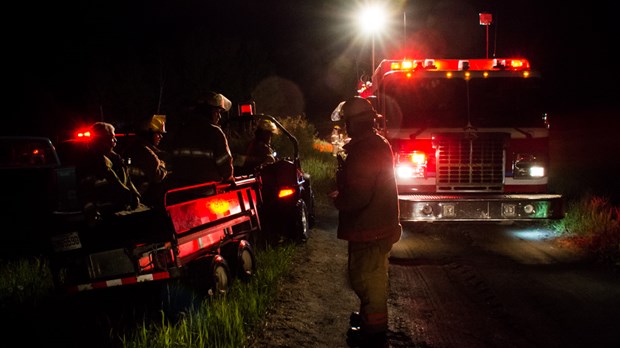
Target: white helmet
[217, 100]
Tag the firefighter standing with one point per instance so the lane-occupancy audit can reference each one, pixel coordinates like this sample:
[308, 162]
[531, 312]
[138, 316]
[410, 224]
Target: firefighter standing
[200, 151]
[367, 201]
[145, 160]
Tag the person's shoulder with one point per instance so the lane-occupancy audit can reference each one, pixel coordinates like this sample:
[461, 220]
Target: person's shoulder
[215, 129]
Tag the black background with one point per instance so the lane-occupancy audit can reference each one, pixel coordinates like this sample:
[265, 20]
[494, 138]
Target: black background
[70, 63]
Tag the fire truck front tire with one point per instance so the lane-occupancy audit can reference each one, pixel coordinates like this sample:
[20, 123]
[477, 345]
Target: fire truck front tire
[241, 258]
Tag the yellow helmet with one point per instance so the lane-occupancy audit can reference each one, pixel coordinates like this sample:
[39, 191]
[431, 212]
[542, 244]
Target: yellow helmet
[267, 125]
[157, 124]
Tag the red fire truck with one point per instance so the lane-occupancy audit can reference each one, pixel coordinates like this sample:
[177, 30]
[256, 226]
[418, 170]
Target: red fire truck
[470, 137]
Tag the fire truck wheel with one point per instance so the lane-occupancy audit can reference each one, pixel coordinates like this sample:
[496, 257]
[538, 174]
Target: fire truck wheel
[241, 258]
[300, 227]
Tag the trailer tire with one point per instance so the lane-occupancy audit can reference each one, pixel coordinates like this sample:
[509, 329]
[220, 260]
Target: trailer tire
[210, 275]
[220, 276]
[241, 258]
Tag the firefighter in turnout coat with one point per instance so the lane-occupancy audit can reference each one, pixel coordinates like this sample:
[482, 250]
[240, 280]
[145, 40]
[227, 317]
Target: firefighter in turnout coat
[200, 150]
[367, 202]
[146, 166]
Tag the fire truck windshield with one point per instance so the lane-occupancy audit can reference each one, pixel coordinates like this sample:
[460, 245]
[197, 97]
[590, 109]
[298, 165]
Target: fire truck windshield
[424, 102]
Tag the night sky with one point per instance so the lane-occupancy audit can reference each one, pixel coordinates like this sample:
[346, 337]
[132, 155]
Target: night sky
[69, 63]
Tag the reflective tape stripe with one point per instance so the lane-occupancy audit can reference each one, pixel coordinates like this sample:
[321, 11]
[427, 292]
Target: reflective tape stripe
[223, 159]
[137, 172]
[186, 152]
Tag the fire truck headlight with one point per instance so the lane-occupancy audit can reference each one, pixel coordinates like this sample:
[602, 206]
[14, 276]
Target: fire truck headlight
[411, 165]
[409, 171]
[404, 172]
[537, 171]
[526, 166]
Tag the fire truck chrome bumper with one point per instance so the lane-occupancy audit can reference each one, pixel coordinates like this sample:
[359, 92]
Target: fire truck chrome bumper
[504, 207]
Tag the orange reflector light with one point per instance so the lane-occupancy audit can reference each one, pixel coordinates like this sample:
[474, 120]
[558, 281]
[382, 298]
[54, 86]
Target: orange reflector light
[516, 63]
[285, 192]
[219, 206]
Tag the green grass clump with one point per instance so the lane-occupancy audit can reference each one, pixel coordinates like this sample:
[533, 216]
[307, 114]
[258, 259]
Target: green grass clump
[24, 281]
[228, 321]
[592, 224]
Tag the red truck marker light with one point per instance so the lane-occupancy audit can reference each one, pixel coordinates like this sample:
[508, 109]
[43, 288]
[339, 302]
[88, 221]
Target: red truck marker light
[247, 108]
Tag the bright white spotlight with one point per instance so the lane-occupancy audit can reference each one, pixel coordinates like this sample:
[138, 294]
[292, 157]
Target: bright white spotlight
[372, 19]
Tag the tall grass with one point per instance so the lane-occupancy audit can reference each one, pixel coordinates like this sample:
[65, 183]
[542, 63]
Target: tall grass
[592, 224]
[24, 282]
[228, 321]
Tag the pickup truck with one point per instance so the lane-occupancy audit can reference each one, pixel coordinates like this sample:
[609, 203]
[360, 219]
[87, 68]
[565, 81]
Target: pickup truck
[205, 234]
[29, 170]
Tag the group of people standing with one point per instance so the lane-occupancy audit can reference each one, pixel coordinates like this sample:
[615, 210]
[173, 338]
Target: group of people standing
[366, 196]
[138, 176]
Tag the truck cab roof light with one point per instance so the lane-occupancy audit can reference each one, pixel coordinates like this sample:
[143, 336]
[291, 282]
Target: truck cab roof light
[429, 64]
[499, 63]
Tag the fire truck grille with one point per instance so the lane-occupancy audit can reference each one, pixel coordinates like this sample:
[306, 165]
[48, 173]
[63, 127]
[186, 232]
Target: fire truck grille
[470, 164]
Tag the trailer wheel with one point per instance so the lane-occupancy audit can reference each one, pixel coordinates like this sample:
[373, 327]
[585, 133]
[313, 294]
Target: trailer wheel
[301, 224]
[210, 275]
[220, 276]
[241, 258]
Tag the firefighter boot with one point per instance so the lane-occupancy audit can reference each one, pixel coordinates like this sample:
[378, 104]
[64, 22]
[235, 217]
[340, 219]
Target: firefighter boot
[355, 320]
[356, 338]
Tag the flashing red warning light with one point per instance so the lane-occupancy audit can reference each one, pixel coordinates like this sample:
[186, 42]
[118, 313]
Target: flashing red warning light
[486, 19]
[246, 108]
[84, 134]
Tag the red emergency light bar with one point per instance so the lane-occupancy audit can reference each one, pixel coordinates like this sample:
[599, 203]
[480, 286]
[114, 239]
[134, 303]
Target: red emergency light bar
[514, 64]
